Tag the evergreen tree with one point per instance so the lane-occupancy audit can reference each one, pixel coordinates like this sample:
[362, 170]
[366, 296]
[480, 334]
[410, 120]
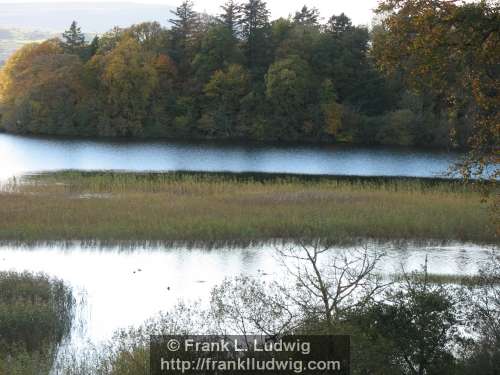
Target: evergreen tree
[339, 24]
[255, 30]
[219, 49]
[255, 17]
[231, 16]
[74, 40]
[184, 27]
[93, 47]
[306, 16]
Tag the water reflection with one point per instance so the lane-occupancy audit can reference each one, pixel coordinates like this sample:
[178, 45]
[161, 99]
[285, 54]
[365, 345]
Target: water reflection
[124, 288]
[20, 155]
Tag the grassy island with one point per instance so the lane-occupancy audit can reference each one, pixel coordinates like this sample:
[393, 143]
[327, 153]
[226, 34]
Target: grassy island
[238, 208]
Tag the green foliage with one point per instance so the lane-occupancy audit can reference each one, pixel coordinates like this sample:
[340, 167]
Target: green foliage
[128, 80]
[225, 92]
[297, 79]
[397, 128]
[184, 27]
[231, 17]
[74, 40]
[35, 315]
[289, 90]
[219, 49]
[255, 32]
[306, 16]
[419, 322]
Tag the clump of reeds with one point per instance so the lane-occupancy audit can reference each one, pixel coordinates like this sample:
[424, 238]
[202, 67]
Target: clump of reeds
[36, 313]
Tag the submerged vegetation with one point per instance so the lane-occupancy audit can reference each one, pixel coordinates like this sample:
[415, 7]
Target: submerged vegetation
[36, 313]
[225, 208]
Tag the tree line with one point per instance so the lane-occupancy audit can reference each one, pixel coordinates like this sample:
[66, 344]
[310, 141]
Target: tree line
[238, 75]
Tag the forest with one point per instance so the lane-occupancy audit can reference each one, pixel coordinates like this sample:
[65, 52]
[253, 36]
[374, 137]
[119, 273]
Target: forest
[238, 75]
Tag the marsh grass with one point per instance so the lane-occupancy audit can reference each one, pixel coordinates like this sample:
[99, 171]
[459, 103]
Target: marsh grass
[442, 279]
[238, 208]
[35, 315]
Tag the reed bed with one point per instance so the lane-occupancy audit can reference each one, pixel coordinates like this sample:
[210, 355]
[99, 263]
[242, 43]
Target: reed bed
[36, 313]
[205, 207]
[446, 279]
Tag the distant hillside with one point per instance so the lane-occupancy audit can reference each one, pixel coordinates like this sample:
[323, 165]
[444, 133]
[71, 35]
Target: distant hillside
[95, 17]
[12, 39]
[29, 22]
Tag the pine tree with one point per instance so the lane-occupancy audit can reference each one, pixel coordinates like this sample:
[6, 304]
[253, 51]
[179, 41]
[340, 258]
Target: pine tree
[184, 27]
[307, 16]
[255, 30]
[74, 40]
[93, 46]
[255, 17]
[231, 16]
[339, 24]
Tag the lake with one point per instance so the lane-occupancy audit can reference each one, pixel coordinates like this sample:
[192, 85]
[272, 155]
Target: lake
[125, 287]
[20, 154]
[118, 295]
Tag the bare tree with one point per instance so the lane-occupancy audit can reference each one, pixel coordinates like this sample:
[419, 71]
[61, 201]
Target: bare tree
[320, 284]
[330, 283]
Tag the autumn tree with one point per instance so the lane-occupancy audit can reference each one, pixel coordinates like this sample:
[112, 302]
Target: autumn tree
[160, 117]
[41, 91]
[451, 49]
[128, 79]
[150, 35]
[332, 110]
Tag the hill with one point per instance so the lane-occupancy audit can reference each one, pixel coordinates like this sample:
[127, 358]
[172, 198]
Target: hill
[22, 23]
[95, 17]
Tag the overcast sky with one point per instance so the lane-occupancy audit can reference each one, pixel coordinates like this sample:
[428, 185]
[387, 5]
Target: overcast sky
[359, 10]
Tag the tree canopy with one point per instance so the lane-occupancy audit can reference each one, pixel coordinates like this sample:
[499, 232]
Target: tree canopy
[428, 70]
[450, 50]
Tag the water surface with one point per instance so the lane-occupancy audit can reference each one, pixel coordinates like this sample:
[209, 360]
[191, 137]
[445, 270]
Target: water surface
[20, 154]
[124, 288]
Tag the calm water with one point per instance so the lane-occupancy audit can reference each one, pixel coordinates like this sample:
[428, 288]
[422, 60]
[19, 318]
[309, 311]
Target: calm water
[119, 295]
[25, 154]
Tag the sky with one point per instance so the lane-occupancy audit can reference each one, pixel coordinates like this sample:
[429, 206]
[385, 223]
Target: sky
[360, 11]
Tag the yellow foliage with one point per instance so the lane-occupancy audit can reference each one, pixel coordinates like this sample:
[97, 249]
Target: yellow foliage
[333, 113]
